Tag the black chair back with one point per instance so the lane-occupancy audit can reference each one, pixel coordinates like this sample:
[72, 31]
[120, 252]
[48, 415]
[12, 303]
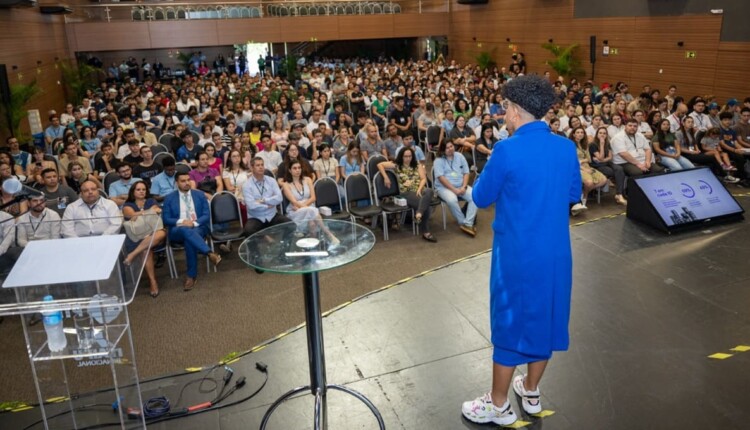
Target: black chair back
[326, 193]
[372, 165]
[433, 137]
[109, 179]
[166, 139]
[183, 168]
[159, 157]
[224, 208]
[156, 130]
[159, 149]
[381, 191]
[357, 187]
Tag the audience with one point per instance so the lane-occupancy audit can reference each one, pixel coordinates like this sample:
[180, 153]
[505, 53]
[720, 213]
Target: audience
[327, 125]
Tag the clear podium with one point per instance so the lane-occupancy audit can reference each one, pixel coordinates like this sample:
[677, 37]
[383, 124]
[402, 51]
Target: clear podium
[91, 283]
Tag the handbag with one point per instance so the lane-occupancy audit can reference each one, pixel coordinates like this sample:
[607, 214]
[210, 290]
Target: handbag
[144, 224]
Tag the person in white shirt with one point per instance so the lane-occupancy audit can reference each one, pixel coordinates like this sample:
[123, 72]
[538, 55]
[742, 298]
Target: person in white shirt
[39, 223]
[596, 122]
[91, 215]
[271, 158]
[675, 119]
[633, 152]
[8, 254]
[616, 126]
[315, 121]
[700, 119]
[643, 127]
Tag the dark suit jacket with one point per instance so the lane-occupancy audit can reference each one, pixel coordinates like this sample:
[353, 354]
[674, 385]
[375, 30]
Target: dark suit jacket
[171, 208]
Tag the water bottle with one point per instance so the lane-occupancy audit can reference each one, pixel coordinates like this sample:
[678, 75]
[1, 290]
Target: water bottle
[53, 325]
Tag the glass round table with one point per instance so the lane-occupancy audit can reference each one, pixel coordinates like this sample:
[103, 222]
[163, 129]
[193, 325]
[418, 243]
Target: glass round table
[307, 248]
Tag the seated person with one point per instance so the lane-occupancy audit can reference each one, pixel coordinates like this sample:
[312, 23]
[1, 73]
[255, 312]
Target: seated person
[39, 223]
[76, 177]
[164, 183]
[118, 190]
[70, 155]
[373, 145]
[408, 142]
[592, 178]
[711, 146]
[105, 160]
[140, 203]
[326, 166]
[8, 253]
[271, 158]
[352, 161]
[601, 159]
[147, 169]
[633, 152]
[91, 215]
[452, 184]
[484, 145]
[205, 178]
[235, 174]
[59, 196]
[412, 185]
[188, 152]
[299, 191]
[186, 216]
[261, 194]
[463, 139]
[293, 153]
[668, 148]
[10, 189]
[38, 164]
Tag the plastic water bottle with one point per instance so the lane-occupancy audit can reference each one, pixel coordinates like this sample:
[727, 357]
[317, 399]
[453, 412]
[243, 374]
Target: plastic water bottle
[53, 325]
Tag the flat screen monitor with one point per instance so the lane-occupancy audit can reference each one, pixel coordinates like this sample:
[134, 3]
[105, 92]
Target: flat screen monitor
[682, 199]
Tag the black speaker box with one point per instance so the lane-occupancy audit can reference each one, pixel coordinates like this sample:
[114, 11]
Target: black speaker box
[592, 49]
[4, 85]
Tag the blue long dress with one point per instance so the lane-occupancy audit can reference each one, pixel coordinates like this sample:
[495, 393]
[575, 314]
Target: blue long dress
[531, 178]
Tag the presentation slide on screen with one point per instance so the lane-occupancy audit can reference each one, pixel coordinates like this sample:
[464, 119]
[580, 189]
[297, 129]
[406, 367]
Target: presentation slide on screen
[688, 196]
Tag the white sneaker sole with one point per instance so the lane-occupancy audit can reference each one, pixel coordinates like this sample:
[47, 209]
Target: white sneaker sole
[519, 389]
[503, 421]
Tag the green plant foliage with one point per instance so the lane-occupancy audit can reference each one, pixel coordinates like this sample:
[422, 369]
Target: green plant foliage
[565, 62]
[289, 68]
[15, 112]
[76, 79]
[485, 61]
[184, 59]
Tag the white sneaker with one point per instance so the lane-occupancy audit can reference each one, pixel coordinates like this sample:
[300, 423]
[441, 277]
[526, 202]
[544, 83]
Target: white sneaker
[577, 209]
[481, 410]
[730, 179]
[530, 400]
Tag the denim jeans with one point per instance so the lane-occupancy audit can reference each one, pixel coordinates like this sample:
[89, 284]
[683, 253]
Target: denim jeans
[451, 200]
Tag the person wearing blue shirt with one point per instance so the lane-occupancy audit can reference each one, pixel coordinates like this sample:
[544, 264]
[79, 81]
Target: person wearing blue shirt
[531, 265]
[54, 131]
[164, 183]
[408, 142]
[261, 194]
[118, 190]
[452, 184]
[188, 153]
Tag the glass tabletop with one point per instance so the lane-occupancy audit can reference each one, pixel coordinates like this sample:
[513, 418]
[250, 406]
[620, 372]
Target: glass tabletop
[304, 247]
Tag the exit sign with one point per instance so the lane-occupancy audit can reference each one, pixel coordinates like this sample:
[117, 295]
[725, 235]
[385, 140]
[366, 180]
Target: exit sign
[614, 51]
[690, 55]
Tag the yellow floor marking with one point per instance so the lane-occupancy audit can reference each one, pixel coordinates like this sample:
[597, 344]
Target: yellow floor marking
[740, 348]
[720, 356]
[544, 413]
[518, 424]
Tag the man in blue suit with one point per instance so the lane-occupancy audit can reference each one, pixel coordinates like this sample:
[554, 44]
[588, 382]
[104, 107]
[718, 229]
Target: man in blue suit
[186, 215]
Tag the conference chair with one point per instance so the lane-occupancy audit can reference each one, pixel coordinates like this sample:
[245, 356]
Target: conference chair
[109, 179]
[432, 139]
[183, 168]
[159, 149]
[327, 194]
[225, 209]
[372, 165]
[166, 139]
[384, 199]
[156, 130]
[357, 189]
[171, 247]
[161, 156]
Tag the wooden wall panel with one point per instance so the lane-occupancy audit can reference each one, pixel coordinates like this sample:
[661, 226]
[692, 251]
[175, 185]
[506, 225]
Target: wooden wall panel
[104, 36]
[171, 34]
[297, 29]
[233, 31]
[415, 25]
[365, 27]
[648, 51]
[28, 37]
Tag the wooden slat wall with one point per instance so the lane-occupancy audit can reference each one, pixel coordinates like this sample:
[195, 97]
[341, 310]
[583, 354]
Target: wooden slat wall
[648, 51]
[97, 36]
[28, 37]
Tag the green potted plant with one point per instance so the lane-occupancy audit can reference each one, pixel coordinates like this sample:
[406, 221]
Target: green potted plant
[485, 61]
[565, 62]
[76, 79]
[15, 111]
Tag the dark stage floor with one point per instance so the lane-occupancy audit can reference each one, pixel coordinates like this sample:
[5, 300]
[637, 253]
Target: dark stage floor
[648, 310]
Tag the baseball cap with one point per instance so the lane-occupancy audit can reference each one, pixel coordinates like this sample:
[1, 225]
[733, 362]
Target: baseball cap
[732, 102]
[713, 106]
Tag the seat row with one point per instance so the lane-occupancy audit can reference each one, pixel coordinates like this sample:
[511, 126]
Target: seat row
[174, 13]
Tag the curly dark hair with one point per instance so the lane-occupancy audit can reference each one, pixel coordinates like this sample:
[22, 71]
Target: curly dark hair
[533, 93]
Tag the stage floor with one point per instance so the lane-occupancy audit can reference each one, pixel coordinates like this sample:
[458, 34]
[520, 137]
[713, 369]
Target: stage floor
[648, 310]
